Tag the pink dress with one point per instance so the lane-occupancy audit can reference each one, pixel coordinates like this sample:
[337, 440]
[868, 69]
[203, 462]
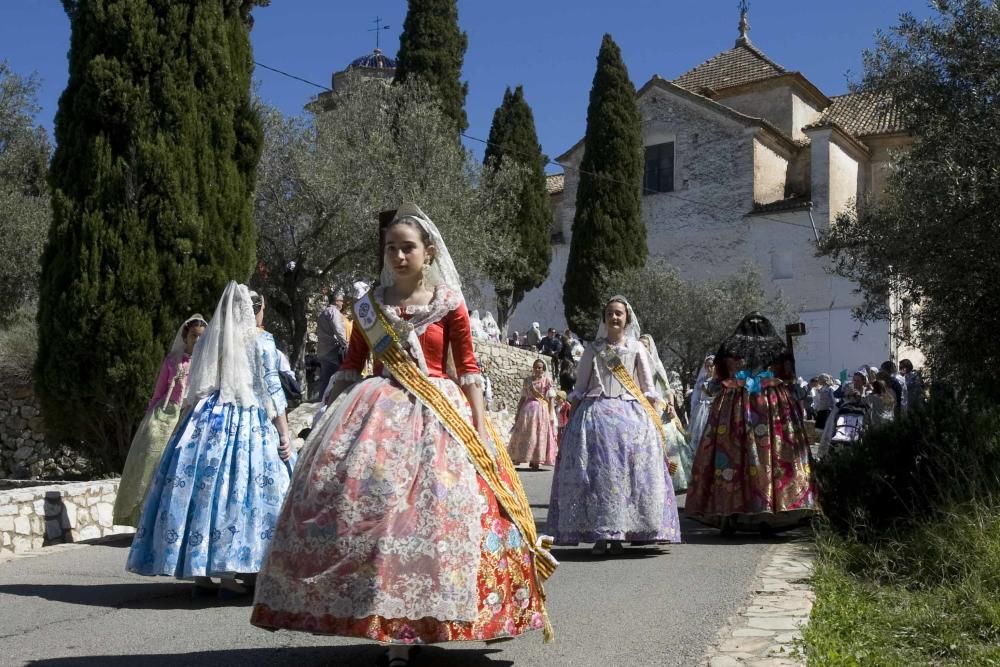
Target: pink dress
[534, 438]
[388, 531]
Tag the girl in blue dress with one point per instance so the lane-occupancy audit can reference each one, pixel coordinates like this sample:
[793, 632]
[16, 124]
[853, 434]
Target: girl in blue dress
[217, 493]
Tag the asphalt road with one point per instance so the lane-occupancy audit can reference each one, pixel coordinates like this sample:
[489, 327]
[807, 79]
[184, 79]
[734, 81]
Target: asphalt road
[652, 606]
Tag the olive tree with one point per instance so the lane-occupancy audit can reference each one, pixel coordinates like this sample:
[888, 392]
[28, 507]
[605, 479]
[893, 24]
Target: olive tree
[324, 177]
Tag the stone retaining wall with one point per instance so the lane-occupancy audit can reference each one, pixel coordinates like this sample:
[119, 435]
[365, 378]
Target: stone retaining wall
[22, 433]
[24, 452]
[506, 367]
[34, 517]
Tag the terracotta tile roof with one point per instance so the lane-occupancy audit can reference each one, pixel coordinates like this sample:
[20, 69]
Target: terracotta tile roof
[735, 67]
[862, 114]
[554, 183]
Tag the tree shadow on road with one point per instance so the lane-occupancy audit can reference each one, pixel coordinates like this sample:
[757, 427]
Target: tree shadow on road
[583, 555]
[697, 533]
[359, 655]
[175, 595]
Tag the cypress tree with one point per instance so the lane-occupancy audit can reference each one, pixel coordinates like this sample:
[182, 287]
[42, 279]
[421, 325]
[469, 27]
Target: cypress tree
[608, 232]
[513, 137]
[432, 48]
[152, 182]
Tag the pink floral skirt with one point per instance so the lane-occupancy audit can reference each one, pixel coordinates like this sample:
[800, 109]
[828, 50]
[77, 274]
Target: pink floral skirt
[389, 533]
[534, 438]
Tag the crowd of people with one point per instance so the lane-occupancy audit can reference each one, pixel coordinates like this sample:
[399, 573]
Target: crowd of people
[402, 519]
[843, 408]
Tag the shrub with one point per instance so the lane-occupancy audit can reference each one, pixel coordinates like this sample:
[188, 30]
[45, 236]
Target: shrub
[18, 347]
[909, 471]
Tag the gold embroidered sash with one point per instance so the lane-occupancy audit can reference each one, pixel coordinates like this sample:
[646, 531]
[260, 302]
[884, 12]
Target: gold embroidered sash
[617, 368]
[538, 396]
[384, 342]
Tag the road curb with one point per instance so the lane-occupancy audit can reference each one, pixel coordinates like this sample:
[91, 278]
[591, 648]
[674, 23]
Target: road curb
[768, 631]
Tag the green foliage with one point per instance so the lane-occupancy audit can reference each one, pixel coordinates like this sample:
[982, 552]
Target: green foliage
[929, 595]
[900, 475]
[432, 47]
[513, 138]
[322, 181]
[152, 177]
[932, 239]
[687, 319]
[24, 196]
[608, 232]
[18, 346]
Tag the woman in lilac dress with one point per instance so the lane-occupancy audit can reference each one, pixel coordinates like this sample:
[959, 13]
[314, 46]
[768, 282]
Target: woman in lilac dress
[612, 480]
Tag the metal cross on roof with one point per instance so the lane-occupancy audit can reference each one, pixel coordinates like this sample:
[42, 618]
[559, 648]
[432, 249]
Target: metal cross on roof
[744, 23]
[378, 29]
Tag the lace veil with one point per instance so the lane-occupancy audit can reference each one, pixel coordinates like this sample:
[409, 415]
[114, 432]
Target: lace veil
[632, 329]
[177, 346]
[442, 270]
[659, 372]
[223, 360]
[702, 379]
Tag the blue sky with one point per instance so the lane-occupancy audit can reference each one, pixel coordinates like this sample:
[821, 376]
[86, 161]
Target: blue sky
[549, 46]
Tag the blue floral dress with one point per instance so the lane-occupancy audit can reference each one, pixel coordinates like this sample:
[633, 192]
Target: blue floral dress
[220, 485]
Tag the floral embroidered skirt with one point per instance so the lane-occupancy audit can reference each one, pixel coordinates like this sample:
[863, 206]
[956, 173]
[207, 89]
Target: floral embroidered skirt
[534, 437]
[390, 534]
[753, 460]
[216, 496]
[611, 481]
[143, 460]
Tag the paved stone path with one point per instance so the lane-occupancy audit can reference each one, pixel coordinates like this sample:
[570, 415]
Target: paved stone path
[75, 606]
[767, 632]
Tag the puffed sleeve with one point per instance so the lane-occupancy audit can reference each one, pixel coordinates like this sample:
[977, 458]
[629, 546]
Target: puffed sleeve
[354, 361]
[583, 373]
[644, 373]
[162, 386]
[463, 352]
[272, 378]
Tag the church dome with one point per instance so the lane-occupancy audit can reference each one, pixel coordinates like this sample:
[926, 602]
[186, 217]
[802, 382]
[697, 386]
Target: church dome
[374, 60]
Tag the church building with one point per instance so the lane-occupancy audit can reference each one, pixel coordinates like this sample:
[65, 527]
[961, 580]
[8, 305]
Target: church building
[744, 160]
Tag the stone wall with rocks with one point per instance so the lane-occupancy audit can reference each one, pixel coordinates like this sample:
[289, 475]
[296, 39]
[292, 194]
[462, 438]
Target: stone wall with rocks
[34, 517]
[506, 367]
[24, 452]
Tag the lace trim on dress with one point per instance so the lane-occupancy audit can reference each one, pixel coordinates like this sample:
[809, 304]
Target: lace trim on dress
[471, 378]
[444, 301]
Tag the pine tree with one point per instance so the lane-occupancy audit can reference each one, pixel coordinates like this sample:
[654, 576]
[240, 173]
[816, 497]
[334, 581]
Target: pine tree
[432, 48]
[152, 182]
[608, 232]
[513, 137]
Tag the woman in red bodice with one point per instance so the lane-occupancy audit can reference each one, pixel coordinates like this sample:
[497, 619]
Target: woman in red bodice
[390, 532]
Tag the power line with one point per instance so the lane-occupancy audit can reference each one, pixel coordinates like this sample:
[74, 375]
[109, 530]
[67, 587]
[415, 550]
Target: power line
[292, 76]
[566, 167]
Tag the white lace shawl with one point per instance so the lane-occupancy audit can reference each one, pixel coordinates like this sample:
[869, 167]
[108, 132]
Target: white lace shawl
[444, 301]
[224, 359]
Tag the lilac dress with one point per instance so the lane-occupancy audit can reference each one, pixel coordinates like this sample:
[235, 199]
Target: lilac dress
[611, 480]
